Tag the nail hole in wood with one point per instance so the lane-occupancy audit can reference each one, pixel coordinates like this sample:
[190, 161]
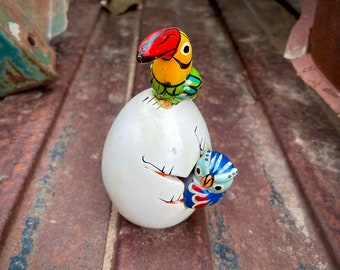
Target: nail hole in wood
[31, 40]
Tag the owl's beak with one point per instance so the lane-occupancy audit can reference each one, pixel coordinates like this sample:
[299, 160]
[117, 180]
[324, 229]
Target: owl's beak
[162, 43]
[207, 181]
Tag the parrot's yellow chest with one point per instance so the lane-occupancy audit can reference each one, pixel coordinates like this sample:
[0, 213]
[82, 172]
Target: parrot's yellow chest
[169, 72]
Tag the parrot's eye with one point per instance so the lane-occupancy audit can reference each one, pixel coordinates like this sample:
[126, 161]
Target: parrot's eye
[185, 48]
[198, 170]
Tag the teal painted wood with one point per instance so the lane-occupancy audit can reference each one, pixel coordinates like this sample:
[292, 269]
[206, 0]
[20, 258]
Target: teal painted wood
[19, 70]
[26, 59]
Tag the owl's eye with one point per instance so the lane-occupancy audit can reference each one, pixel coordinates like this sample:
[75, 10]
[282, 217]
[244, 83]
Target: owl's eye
[218, 187]
[198, 170]
[185, 48]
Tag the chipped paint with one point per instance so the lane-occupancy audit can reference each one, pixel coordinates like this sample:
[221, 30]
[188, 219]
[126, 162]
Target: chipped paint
[294, 52]
[299, 40]
[284, 192]
[26, 59]
[14, 28]
[227, 257]
[45, 188]
[224, 256]
[20, 69]
[57, 17]
[3, 177]
[19, 261]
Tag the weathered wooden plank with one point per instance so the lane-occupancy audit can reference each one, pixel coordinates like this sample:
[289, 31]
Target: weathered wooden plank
[275, 21]
[184, 246]
[26, 118]
[63, 218]
[309, 136]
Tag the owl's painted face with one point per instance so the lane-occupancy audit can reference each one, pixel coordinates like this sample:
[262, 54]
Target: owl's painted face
[214, 172]
[145, 152]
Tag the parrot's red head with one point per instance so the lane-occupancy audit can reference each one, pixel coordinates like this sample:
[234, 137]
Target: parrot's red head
[170, 51]
[162, 43]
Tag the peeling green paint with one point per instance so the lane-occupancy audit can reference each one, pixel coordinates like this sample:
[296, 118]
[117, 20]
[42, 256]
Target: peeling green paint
[18, 70]
[26, 59]
[12, 57]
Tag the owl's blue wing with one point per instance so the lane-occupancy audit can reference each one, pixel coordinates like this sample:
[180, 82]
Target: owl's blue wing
[196, 197]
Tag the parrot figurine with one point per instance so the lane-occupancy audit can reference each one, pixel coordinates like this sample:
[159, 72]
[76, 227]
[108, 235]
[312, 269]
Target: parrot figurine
[172, 76]
[211, 177]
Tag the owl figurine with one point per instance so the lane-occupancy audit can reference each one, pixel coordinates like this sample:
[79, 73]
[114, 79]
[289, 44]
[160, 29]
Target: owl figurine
[212, 176]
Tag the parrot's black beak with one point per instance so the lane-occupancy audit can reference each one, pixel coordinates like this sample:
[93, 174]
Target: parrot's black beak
[144, 59]
[162, 43]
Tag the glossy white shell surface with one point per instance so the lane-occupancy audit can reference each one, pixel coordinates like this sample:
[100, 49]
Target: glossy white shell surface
[143, 140]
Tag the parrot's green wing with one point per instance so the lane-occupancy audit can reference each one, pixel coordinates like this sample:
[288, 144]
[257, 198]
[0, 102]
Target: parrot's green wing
[176, 93]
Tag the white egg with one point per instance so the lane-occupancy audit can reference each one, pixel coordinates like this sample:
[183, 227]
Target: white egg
[145, 151]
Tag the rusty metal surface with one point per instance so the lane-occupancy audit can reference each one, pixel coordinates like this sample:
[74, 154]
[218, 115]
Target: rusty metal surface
[278, 138]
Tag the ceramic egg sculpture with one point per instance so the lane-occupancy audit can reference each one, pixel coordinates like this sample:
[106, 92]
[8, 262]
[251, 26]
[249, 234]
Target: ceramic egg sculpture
[157, 164]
